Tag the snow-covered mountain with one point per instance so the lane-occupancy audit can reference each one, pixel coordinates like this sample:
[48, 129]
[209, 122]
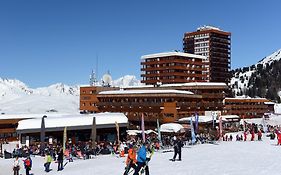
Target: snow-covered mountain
[261, 79]
[127, 80]
[17, 97]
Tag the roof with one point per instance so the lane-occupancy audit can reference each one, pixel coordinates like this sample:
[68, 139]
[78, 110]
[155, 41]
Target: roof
[166, 54]
[247, 99]
[190, 84]
[75, 121]
[195, 84]
[146, 92]
[171, 127]
[29, 116]
[201, 119]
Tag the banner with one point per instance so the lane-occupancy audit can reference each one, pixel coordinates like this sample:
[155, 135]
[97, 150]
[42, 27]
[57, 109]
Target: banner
[142, 127]
[64, 138]
[117, 131]
[159, 133]
[42, 135]
[193, 138]
[220, 126]
[196, 122]
[94, 133]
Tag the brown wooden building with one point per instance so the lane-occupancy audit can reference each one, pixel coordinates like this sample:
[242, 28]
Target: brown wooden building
[215, 44]
[172, 67]
[167, 102]
[247, 107]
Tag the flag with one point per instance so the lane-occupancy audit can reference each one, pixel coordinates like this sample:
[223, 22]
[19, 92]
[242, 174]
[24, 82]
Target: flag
[193, 139]
[94, 132]
[220, 126]
[64, 138]
[159, 133]
[213, 118]
[196, 122]
[142, 127]
[42, 135]
[117, 130]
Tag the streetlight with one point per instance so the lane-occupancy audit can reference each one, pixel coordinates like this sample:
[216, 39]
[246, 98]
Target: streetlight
[42, 135]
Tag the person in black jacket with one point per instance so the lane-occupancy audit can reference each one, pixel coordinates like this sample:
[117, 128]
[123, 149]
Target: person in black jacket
[60, 160]
[178, 144]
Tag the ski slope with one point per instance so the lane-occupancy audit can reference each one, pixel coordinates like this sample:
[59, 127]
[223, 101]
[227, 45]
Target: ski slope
[227, 158]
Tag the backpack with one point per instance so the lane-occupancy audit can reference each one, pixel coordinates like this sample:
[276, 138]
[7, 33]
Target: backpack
[27, 163]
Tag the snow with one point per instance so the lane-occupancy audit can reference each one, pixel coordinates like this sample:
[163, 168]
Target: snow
[17, 98]
[74, 120]
[127, 80]
[171, 127]
[206, 118]
[273, 57]
[166, 54]
[135, 132]
[227, 158]
[145, 92]
[243, 86]
[273, 120]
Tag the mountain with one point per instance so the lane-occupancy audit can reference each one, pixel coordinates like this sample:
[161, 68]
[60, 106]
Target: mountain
[259, 80]
[16, 97]
[127, 80]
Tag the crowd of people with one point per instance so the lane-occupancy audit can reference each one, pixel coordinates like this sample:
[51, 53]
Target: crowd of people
[139, 152]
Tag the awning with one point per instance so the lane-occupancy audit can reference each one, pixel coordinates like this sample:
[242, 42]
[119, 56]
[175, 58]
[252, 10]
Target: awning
[76, 122]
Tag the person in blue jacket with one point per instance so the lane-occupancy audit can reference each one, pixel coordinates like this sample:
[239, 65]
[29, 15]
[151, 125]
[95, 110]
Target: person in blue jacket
[141, 159]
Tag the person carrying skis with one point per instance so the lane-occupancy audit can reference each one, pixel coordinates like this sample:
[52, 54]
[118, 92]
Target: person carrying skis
[141, 160]
[131, 159]
[27, 165]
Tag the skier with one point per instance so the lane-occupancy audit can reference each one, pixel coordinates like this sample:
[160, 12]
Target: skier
[48, 160]
[16, 166]
[141, 159]
[27, 165]
[131, 159]
[253, 135]
[178, 144]
[245, 135]
[259, 135]
[60, 159]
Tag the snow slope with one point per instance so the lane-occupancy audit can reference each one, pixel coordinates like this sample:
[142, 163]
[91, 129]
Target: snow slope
[236, 82]
[16, 97]
[227, 158]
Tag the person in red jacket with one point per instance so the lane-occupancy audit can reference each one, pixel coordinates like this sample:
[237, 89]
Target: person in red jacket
[278, 137]
[259, 135]
[253, 135]
[131, 159]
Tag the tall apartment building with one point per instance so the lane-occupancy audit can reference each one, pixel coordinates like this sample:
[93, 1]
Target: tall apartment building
[215, 44]
[172, 67]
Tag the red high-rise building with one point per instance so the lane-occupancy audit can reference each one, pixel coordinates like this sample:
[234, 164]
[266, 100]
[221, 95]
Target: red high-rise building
[215, 44]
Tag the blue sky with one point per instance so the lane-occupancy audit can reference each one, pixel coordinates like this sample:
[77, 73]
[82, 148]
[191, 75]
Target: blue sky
[49, 41]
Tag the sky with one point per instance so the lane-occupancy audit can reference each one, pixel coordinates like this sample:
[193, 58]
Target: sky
[43, 42]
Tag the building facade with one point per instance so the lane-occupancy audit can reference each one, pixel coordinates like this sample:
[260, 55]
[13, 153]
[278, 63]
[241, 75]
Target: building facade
[215, 45]
[247, 107]
[172, 67]
[168, 102]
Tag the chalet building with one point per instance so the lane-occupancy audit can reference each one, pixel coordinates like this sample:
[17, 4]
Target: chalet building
[248, 107]
[172, 67]
[167, 102]
[214, 44]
